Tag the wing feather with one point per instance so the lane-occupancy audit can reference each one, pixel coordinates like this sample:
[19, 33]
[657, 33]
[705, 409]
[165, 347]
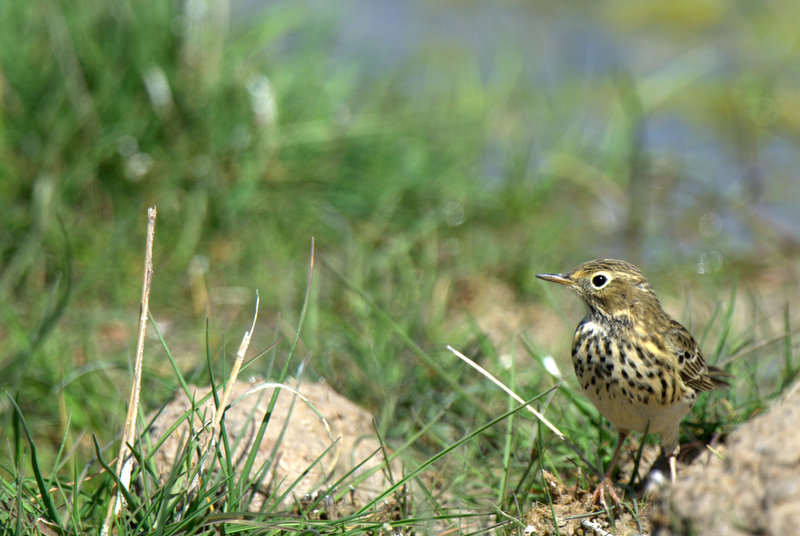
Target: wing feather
[692, 366]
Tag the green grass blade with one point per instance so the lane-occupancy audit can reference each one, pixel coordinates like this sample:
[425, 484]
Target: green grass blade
[132, 501]
[175, 368]
[508, 444]
[427, 463]
[251, 458]
[424, 356]
[47, 499]
[545, 487]
[789, 371]
[727, 323]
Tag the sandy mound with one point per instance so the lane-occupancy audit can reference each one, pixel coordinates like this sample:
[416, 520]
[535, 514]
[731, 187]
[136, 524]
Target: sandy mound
[296, 437]
[755, 489]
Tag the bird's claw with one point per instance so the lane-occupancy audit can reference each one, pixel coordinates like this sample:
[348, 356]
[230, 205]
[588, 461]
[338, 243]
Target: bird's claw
[599, 495]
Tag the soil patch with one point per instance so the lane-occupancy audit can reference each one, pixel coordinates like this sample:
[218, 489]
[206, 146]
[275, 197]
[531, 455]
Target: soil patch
[752, 487]
[312, 441]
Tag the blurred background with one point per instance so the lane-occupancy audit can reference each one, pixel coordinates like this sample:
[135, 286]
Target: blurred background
[440, 154]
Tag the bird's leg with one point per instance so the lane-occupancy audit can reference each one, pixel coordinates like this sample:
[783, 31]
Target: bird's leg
[599, 495]
[672, 458]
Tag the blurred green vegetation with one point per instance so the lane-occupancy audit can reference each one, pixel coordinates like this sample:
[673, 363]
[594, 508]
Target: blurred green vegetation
[440, 167]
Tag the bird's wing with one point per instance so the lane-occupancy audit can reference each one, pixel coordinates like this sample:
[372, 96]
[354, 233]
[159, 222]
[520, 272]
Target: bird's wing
[691, 365]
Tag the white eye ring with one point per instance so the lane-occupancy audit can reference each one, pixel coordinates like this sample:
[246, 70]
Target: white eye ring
[600, 279]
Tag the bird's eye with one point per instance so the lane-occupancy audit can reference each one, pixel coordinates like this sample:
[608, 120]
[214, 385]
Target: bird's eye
[599, 280]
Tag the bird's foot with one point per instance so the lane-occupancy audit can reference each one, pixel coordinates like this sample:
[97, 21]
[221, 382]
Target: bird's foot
[605, 488]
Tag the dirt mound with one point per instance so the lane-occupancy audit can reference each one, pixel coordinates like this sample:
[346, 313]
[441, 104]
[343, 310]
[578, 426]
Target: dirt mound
[753, 488]
[311, 441]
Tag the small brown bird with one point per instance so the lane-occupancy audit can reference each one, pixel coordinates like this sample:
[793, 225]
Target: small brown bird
[638, 366]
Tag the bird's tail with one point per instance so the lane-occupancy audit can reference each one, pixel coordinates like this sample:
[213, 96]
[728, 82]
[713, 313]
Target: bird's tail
[719, 377]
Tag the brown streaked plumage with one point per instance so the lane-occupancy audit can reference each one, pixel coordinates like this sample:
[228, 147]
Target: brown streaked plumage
[638, 366]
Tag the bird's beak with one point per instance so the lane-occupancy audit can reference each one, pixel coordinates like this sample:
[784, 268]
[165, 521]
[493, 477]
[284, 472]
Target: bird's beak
[561, 279]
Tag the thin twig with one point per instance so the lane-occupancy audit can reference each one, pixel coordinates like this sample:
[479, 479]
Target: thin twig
[125, 460]
[516, 397]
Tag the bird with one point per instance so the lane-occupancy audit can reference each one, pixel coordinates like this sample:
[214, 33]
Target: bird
[640, 367]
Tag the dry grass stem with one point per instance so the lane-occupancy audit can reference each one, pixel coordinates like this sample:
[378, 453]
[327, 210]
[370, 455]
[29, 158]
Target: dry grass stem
[542, 419]
[219, 411]
[508, 391]
[125, 460]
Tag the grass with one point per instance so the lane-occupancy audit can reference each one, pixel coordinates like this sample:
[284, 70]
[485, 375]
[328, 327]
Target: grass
[426, 185]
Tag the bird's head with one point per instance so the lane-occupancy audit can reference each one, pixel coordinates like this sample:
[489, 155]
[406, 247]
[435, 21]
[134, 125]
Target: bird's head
[609, 287]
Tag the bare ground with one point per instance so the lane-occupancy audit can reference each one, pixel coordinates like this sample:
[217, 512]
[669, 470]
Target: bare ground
[752, 487]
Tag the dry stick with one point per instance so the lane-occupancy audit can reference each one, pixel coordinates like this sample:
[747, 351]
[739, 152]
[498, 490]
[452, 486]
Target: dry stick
[125, 460]
[516, 397]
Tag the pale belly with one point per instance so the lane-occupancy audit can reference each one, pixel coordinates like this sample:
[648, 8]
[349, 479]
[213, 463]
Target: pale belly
[629, 415]
[633, 395]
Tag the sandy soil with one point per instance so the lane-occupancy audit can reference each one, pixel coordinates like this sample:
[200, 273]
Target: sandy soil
[752, 486]
[298, 434]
